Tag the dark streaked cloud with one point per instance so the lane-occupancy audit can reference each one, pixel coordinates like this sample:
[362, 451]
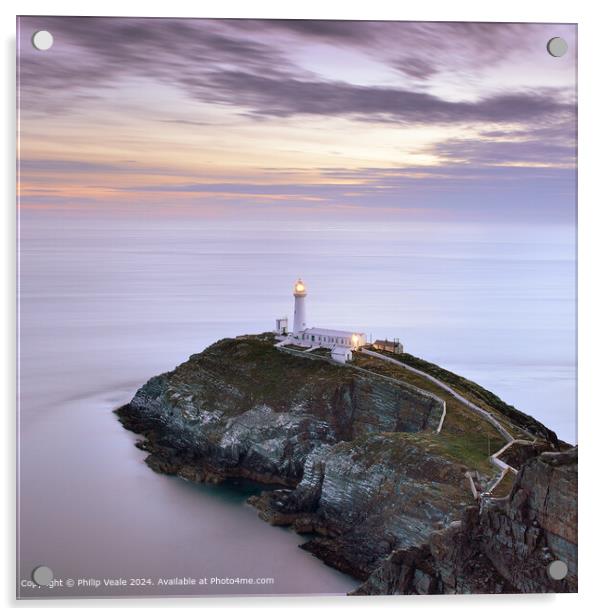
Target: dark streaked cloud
[243, 65]
[348, 32]
[471, 42]
[488, 152]
[267, 96]
[92, 55]
[422, 49]
[549, 144]
[418, 68]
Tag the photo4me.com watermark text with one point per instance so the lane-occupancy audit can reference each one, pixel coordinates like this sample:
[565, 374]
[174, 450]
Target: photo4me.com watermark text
[166, 582]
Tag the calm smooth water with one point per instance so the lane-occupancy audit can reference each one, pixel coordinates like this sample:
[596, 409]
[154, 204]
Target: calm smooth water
[107, 304]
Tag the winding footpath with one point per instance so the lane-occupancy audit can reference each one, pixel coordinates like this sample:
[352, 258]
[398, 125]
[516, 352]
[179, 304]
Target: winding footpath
[510, 440]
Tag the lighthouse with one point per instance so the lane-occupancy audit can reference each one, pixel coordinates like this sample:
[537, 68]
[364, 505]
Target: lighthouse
[300, 292]
[305, 339]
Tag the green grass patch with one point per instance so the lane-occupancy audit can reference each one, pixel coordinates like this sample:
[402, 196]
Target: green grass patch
[469, 449]
[504, 486]
[234, 375]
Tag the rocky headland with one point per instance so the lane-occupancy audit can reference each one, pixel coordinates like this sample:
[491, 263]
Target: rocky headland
[366, 468]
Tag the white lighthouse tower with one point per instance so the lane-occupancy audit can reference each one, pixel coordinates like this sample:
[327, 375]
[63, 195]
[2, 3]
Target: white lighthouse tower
[300, 293]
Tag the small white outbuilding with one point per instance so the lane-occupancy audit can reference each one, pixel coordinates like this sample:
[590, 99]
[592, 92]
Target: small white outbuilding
[341, 354]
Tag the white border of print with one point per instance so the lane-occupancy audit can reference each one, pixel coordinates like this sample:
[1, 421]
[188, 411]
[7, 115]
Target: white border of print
[587, 16]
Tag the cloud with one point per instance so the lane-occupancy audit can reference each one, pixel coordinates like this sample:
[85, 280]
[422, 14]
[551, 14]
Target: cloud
[489, 152]
[49, 166]
[243, 64]
[422, 49]
[547, 144]
[270, 97]
[247, 66]
[418, 68]
[466, 190]
[188, 122]
[454, 190]
[46, 165]
[93, 55]
[348, 32]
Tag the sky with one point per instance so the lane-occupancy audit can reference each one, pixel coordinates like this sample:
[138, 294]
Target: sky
[294, 119]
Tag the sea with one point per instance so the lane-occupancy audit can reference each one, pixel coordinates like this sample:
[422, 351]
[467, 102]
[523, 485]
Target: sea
[106, 303]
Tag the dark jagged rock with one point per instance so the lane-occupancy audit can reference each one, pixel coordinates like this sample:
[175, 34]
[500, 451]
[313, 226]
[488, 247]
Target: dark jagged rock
[505, 546]
[360, 466]
[368, 497]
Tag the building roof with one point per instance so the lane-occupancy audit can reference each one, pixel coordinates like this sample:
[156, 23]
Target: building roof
[319, 331]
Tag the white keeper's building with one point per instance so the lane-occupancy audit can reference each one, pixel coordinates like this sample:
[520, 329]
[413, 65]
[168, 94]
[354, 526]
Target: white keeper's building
[340, 342]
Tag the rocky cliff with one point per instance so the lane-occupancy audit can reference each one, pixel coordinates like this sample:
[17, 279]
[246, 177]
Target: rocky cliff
[505, 545]
[360, 465]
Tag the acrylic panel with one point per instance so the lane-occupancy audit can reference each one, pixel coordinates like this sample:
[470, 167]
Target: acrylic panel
[295, 283]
